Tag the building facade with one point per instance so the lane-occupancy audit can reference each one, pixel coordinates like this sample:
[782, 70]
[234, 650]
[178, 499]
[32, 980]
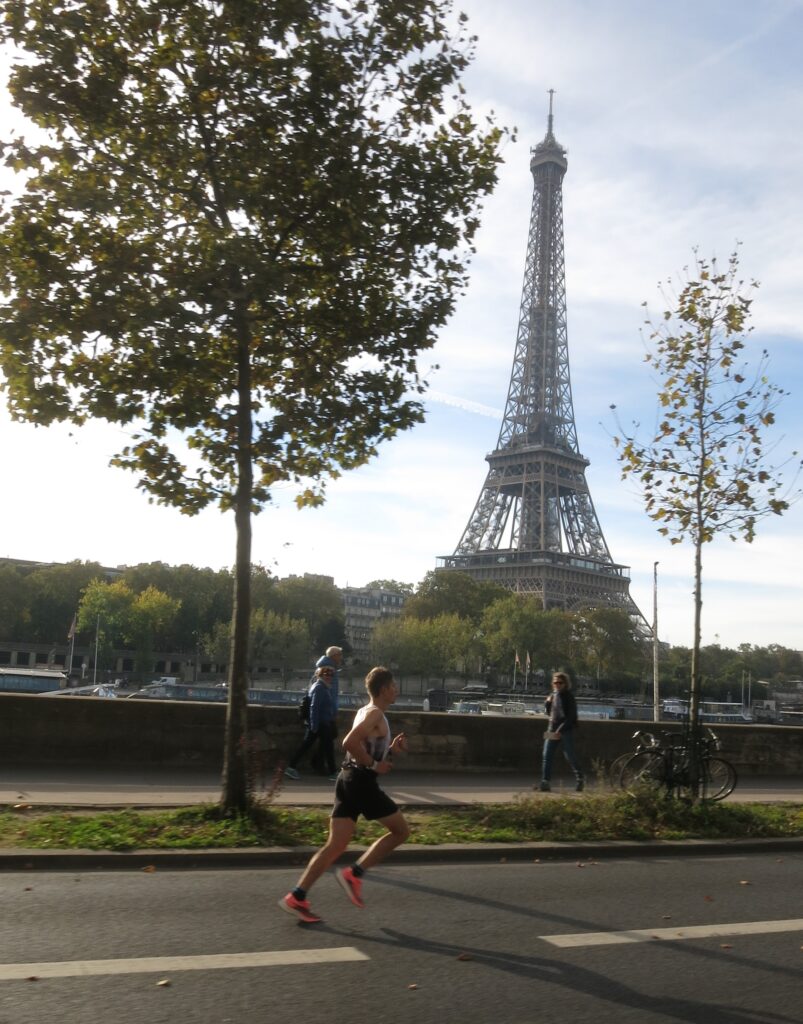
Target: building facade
[363, 608]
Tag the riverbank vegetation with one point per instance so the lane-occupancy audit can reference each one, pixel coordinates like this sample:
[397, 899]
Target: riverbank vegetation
[538, 818]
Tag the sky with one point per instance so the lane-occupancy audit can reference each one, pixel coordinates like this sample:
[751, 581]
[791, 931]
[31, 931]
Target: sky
[682, 124]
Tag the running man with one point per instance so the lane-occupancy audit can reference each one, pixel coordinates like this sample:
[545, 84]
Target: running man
[369, 754]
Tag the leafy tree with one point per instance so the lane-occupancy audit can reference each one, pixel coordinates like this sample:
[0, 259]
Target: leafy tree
[704, 471]
[204, 597]
[512, 624]
[42, 600]
[151, 619]
[316, 600]
[15, 611]
[104, 612]
[429, 648]
[279, 641]
[123, 618]
[274, 639]
[394, 586]
[608, 639]
[247, 220]
[444, 593]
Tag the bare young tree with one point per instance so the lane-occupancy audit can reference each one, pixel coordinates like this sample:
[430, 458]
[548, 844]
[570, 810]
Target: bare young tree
[704, 470]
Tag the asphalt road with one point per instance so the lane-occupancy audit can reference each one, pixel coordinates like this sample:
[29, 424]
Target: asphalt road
[493, 944]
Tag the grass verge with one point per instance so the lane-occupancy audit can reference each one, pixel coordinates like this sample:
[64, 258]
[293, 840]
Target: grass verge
[618, 816]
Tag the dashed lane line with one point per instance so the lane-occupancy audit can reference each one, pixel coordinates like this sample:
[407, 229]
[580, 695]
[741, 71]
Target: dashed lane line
[700, 931]
[165, 964]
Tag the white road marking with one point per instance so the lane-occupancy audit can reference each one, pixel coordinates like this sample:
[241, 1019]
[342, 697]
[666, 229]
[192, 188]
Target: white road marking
[699, 931]
[166, 964]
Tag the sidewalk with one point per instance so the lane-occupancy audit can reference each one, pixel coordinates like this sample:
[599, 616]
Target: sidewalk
[72, 786]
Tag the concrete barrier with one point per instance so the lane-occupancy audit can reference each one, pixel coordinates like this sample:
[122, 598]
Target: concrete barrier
[81, 730]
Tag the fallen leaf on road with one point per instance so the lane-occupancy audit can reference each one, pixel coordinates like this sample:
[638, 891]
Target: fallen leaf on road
[22, 807]
[725, 945]
[149, 869]
[413, 985]
[708, 899]
[745, 883]
[32, 978]
[580, 865]
[163, 983]
[28, 888]
[666, 917]
[464, 956]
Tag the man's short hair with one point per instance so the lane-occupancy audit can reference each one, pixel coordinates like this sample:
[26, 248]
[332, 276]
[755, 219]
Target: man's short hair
[377, 679]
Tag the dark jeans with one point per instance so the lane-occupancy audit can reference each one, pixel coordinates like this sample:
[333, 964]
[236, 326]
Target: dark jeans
[567, 743]
[324, 740]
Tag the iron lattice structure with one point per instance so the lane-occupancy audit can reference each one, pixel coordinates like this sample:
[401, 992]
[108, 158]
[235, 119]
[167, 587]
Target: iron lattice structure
[534, 528]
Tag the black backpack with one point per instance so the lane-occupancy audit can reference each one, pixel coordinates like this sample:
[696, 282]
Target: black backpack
[303, 707]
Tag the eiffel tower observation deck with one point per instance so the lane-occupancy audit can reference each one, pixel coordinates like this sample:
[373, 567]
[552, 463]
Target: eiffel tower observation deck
[534, 529]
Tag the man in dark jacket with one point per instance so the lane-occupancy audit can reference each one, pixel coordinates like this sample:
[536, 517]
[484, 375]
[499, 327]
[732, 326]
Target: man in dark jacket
[562, 710]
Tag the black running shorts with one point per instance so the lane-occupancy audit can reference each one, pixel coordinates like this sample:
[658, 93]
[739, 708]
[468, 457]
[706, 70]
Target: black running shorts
[357, 792]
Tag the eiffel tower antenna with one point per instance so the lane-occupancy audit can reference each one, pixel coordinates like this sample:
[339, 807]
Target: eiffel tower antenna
[534, 529]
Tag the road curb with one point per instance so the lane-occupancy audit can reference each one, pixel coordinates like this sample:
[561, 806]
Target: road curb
[278, 857]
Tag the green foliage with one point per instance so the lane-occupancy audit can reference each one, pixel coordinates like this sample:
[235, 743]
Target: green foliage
[395, 586]
[516, 623]
[317, 601]
[259, 203]
[204, 597]
[430, 648]
[607, 640]
[530, 819]
[37, 603]
[125, 619]
[276, 641]
[441, 593]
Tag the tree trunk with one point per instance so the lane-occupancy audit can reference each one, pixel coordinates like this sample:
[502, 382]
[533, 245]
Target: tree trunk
[235, 797]
[694, 692]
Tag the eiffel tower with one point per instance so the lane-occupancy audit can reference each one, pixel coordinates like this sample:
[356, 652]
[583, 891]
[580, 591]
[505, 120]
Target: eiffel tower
[534, 529]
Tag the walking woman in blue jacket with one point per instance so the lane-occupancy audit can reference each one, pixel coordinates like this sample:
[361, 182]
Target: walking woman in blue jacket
[320, 727]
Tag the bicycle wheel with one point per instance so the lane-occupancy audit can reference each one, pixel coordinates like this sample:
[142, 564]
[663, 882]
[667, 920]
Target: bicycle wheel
[644, 768]
[718, 779]
[614, 772]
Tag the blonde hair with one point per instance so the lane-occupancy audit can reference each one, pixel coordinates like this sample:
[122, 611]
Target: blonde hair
[561, 677]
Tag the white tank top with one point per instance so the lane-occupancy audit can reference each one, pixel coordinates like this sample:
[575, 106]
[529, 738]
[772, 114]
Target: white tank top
[375, 746]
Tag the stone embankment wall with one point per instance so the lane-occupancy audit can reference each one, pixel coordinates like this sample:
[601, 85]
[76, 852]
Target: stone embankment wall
[72, 730]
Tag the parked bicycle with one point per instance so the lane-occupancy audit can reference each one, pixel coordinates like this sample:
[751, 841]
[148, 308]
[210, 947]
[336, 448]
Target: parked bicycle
[644, 741]
[666, 762]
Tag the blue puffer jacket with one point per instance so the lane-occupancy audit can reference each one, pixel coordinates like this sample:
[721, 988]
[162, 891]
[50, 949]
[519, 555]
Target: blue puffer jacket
[321, 711]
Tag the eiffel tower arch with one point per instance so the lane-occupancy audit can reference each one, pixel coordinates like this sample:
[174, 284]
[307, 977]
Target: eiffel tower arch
[534, 529]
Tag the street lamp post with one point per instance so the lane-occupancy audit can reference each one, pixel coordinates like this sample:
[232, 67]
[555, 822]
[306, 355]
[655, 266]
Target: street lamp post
[656, 703]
